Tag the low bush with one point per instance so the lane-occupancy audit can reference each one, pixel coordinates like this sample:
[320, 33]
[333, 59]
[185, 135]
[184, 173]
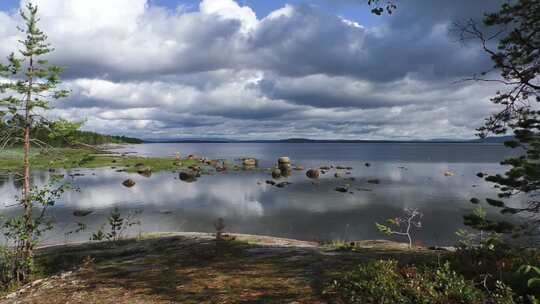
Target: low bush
[385, 282]
[495, 261]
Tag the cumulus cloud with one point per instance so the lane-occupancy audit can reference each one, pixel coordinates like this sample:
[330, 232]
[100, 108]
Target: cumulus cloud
[219, 70]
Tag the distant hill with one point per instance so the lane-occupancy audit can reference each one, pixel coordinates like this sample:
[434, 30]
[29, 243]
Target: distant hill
[490, 140]
[83, 137]
[495, 140]
[92, 138]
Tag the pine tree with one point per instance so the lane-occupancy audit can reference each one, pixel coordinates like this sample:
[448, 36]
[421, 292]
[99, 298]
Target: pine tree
[31, 87]
[516, 31]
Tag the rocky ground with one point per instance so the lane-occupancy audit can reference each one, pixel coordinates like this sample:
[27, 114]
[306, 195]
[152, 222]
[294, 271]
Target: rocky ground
[194, 268]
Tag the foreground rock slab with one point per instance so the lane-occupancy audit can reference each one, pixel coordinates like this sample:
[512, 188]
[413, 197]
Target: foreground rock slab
[194, 268]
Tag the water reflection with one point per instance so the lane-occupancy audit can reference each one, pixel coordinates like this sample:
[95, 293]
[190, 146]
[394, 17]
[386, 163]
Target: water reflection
[304, 210]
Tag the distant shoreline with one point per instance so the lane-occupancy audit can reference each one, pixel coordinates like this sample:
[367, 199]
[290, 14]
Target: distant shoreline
[308, 141]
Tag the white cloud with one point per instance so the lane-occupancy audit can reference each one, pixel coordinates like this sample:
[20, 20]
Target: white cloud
[219, 70]
[229, 9]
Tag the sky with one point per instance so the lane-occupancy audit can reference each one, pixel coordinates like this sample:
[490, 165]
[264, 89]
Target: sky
[254, 69]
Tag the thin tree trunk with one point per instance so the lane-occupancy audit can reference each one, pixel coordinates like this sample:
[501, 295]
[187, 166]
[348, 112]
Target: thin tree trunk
[27, 200]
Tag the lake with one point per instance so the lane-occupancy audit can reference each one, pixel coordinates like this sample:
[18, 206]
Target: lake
[411, 176]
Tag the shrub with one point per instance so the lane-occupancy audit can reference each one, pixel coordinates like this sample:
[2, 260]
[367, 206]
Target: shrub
[493, 260]
[385, 282]
[118, 225]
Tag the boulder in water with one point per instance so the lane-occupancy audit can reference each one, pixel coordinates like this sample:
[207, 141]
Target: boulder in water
[286, 170]
[284, 160]
[146, 172]
[249, 162]
[276, 173]
[313, 173]
[128, 183]
[284, 165]
[194, 157]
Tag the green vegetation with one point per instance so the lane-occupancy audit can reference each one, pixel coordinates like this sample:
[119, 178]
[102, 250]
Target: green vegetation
[402, 225]
[493, 260]
[29, 85]
[67, 158]
[384, 282]
[516, 60]
[60, 133]
[118, 225]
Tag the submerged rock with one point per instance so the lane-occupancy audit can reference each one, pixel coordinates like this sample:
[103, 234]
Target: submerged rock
[82, 213]
[283, 184]
[298, 168]
[313, 173]
[342, 189]
[270, 182]
[188, 176]
[325, 168]
[374, 181]
[367, 164]
[338, 175]
[129, 183]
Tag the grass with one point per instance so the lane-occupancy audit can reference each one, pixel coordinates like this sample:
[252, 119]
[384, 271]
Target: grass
[184, 269]
[66, 158]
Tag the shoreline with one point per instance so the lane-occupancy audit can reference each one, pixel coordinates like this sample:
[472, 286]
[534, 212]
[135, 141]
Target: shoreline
[257, 239]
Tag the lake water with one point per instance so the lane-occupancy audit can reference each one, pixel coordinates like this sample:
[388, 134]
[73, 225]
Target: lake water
[411, 176]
